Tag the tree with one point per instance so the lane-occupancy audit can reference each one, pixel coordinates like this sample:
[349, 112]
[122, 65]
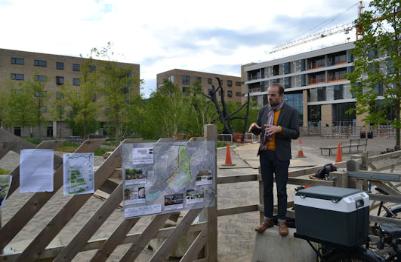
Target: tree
[377, 65]
[117, 91]
[23, 104]
[203, 109]
[81, 108]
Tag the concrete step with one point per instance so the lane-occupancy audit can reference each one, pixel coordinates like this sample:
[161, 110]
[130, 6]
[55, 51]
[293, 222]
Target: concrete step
[270, 246]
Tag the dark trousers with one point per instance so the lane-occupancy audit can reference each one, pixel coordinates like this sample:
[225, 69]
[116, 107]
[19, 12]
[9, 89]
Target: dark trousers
[269, 164]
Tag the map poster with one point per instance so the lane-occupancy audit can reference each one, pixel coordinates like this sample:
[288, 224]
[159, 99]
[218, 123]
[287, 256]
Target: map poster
[78, 173]
[5, 182]
[168, 176]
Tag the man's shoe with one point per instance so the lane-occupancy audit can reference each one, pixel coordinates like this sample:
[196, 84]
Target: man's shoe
[265, 225]
[283, 229]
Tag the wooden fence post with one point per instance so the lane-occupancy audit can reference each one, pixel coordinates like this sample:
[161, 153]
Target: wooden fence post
[261, 199]
[210, 133]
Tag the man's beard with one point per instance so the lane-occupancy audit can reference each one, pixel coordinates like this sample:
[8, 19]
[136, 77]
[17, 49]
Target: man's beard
[273, 103]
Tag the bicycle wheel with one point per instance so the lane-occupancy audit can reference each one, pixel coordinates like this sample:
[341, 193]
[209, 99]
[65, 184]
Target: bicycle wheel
[395, 212]
[358, 255]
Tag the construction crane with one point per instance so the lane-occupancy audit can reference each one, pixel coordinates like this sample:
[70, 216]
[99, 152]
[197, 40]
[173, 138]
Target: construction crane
[346, 28]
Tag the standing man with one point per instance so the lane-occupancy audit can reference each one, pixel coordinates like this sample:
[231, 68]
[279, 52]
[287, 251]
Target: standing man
[277, 124]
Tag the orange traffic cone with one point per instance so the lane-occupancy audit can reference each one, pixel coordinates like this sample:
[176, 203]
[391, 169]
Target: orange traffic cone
[300, 151]
[228, 161]
[339, 155]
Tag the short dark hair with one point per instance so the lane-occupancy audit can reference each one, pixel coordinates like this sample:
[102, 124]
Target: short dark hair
[280, 88]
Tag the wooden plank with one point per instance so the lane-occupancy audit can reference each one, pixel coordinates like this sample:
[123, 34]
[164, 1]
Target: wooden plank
[372, 175]
[380, 157]
[386, 188]
[237, 179]
[115, 239]
[172, 240]
[10, 142]
[386, 198]
[237, 210]
[40, 242]
[102, 243]
[192, 253]
[149, 233]
[38, 200]
[91, 226]
[377, 219]
[310, 182]
[210, 133]
[48, 144]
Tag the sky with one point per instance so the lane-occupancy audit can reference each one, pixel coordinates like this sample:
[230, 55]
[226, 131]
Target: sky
[215, 36]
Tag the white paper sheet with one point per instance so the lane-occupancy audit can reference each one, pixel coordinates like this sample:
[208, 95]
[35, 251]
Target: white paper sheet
[78, 173]
[36, 170]
[142, 210]
[142, 155]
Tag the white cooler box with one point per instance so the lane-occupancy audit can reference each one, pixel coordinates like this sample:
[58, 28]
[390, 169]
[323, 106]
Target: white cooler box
[332, 214]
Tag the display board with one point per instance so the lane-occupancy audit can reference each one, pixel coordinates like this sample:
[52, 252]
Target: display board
[168, 176]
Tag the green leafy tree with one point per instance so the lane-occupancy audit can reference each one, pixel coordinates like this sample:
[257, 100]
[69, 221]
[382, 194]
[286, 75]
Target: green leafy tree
[79, 104]
[117, 89]
[377, 65]
[23, 104]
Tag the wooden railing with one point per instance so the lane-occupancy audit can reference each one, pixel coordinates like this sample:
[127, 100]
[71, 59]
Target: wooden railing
[205, 232]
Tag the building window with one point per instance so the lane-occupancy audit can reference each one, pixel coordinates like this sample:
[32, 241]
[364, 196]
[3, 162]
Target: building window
[287, 68]
[229, 83]
[17, 60]
[238, 94]
[379, 89]
[296, 100]
[314, 115]
[337, 75]
[76, 82]
[337, 58]
[18, 77]
[287, 82]
[316, 62]
[344, 114]
[209, 81]
[76, 67]
[59, 80]
[186, 80]
[59, 65]
[17, 131]
[92, 68]
[198, 79]
[185, 90]
[40, 78]
[276, 70]
[237, 83]
[229, 93]
[338, 92]
[40, 63]
[321, 94]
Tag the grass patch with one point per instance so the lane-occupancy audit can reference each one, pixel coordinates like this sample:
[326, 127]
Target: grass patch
[4, 171]
[101, 151]
[221, 143]
[68, 147]
[33, 140]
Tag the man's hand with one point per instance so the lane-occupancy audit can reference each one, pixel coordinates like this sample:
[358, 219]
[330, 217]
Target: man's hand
[252, 127]
[271, 130]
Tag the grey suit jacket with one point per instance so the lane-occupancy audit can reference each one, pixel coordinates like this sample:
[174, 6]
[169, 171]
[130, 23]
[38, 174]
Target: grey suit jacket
[288, 120]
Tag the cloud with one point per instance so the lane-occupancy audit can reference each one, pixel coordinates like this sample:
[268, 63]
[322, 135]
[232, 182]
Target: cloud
[162, 35]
